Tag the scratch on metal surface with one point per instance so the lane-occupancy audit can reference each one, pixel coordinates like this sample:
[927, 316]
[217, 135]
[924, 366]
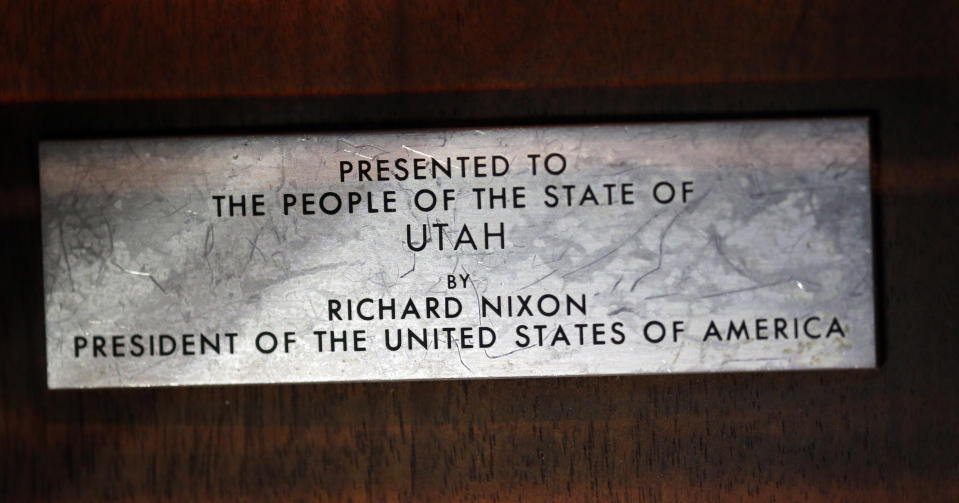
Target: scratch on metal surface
[413, 268]
[662, 238]
[140, 273]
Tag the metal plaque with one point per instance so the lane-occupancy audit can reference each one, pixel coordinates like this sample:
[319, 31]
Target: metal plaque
[463, 253]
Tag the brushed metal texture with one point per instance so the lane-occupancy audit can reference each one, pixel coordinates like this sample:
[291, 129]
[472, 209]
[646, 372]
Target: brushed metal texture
[760, 260]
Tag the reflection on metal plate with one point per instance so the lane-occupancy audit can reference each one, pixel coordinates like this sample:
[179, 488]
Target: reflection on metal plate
[427, 254]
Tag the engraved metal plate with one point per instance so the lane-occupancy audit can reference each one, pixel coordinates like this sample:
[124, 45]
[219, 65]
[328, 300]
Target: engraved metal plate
[423, 254]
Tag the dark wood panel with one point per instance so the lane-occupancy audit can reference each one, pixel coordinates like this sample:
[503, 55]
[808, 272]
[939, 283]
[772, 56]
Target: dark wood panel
[99, 68]
[96, 49]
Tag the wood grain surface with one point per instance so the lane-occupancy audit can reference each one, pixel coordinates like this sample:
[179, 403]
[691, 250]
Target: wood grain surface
[98, 68]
